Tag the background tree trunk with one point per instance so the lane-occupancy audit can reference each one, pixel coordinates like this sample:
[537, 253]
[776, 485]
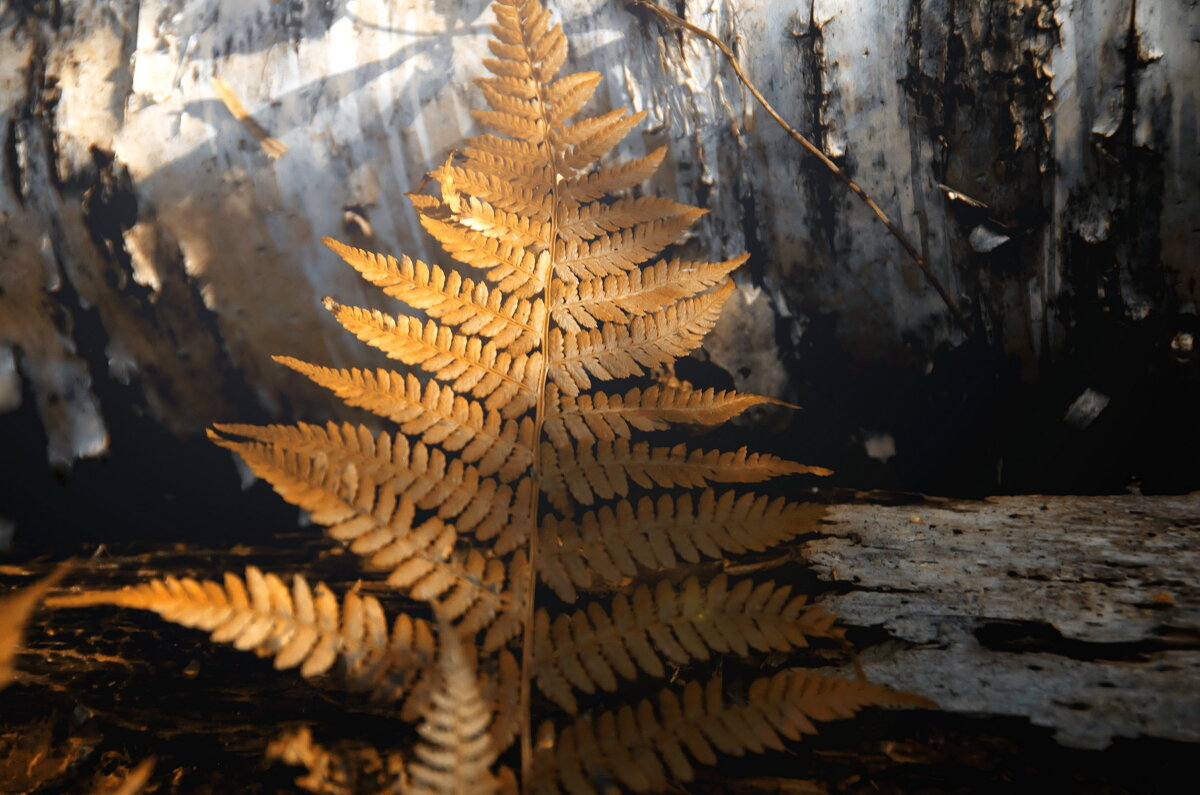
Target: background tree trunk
[1042, 155]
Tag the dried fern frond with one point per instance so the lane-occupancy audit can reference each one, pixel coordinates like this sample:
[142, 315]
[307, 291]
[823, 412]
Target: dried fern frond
[647, 746]
[361, 770]
[617, 351]
[602, 181]
[506, 467]
[604, 469]
[605, 547]
[457, 751]
[590, 649]
[331, 471]
[505, 381]
[15, 611]
[618, 298]
[599, 415]
[301, 626]
[615, 253]
[432, 412]
[509, 322]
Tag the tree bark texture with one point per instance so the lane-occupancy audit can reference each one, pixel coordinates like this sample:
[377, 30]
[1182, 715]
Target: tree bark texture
[1081, 614]
[1042, 155]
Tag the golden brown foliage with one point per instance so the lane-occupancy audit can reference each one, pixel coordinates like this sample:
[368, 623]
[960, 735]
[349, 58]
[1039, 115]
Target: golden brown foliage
[508, 468]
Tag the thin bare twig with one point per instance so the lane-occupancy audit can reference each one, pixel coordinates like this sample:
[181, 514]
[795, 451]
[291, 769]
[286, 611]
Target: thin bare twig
[816, 152]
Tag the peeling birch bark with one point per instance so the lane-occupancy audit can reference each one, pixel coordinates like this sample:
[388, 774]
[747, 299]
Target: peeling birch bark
[130, 191]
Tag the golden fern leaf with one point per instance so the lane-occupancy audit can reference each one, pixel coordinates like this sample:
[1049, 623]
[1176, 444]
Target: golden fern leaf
[338, 471]
[377, 519]
[457, 751]
[15, 611]
[586, 141]
[620, 251]
[588, 417]
[526, 200]
[508, 227]
[602, 181]
[527, 47]
[644, 748]
[645, 291]
[591, 649]
[506, 159]
[434, 413]
[509, 322]
[566, 96]
[589, 221]
[297, 626]
[563, 298]
[604, 548]
[617, 351]
[357, 483]
[508, 382]
[604, 469]
[517, 270]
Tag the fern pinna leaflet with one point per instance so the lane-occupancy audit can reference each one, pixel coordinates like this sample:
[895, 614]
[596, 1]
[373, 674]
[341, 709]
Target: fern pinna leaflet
[510, 463]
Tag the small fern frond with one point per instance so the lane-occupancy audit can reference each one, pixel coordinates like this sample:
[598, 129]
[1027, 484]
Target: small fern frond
[644, 748]
[511, 228]
[334, 470]
[599, 415]
[375, 516]
[618, 351]
[456, 752]
[511, 323]
[589, 221]
[640, 292]
[611, 253]
[518, 271]
[588, 140]
[299, 626]
[482, 369]
[528, 48]
[605, 547]
[610, 179]
[433, 413]
[567, 95]
[532, 201]
[604, 469]
[591, 649]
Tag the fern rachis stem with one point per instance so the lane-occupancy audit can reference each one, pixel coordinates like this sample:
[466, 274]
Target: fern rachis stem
[535, 493]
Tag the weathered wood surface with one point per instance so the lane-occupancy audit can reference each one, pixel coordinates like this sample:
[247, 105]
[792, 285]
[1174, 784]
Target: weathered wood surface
[1079, 613]
[148, 239]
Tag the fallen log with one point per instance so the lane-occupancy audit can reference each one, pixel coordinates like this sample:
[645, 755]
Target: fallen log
[1078, 613]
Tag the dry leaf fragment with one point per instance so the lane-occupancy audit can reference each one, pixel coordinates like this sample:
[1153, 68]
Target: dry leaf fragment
[272, 146]
[134, 782]
[15, 611]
